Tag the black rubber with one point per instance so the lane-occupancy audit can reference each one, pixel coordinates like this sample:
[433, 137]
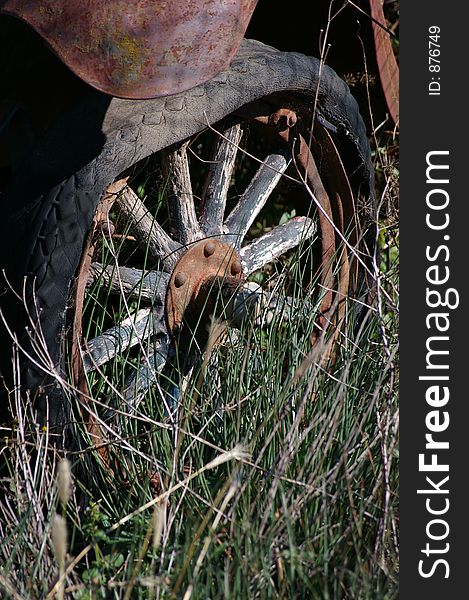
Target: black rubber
[50, 200]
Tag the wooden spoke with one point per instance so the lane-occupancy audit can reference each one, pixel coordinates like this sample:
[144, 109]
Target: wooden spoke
[131, 331]
[260, 307]
[181, 209]
[275, 243]
[218, 180]
[256, 195]
[160, 246]
[132, 283]
[141, 380]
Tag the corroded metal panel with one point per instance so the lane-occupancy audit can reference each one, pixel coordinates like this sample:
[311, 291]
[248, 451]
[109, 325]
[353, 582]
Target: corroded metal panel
[139, 48]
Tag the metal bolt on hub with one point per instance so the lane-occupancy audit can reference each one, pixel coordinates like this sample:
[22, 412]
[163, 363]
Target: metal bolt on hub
[236, 268]
[209, 249]
[180, 279]
[194, 276]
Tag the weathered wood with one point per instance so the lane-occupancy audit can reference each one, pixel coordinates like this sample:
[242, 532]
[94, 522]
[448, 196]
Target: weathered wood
[275, 243]
[132, 283]
[140, 381]
[261, 307]
[115, 340]
[160, 246]
[256, 195]
[218, 180]
[181, 208]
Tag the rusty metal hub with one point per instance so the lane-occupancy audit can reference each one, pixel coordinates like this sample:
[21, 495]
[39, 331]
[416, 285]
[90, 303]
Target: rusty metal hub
[207, 268]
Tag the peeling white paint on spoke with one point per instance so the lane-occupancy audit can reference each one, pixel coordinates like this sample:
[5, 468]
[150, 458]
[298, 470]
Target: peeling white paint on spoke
[132, 283]
[218, 180]
[256, 195]
[115, 340]
[275, 243]
[261, 307]
[140, 381]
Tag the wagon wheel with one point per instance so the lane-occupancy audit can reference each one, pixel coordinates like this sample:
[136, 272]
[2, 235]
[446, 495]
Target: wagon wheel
[199, 254]
[56, 181]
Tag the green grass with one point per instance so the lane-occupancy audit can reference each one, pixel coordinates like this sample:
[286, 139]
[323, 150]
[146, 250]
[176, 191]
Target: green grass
[306, 510]
[274, 476]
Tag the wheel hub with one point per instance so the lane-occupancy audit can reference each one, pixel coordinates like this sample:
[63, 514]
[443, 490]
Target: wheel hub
[206, 268]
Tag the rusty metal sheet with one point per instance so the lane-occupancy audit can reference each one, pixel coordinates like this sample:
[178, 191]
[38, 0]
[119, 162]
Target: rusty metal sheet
[139, 48]
[387, 63]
